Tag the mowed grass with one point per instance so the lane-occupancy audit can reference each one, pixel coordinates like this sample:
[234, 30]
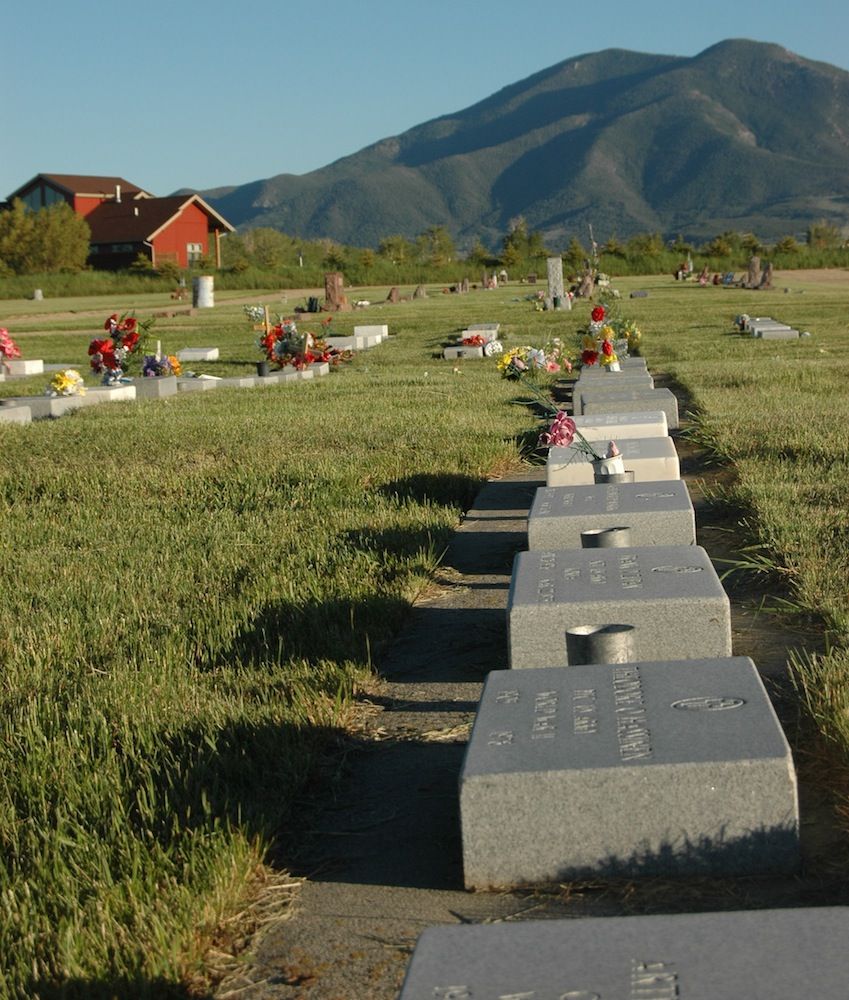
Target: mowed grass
[194, 588]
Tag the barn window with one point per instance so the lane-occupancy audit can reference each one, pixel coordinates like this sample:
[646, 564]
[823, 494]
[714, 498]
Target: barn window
[194, 252]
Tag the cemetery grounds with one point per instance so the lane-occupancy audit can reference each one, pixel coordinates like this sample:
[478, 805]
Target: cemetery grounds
[196, 590]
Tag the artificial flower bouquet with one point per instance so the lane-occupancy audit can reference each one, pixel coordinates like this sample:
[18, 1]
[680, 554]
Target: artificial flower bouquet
[111, 355]
[9, 350]
[154, 366]
[66, 383]
[563, 433]
[284, 346]
[607, 337]
[521, 361]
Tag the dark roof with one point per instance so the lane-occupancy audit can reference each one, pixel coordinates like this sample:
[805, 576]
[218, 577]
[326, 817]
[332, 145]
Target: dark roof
[137, 221]
[85, 184]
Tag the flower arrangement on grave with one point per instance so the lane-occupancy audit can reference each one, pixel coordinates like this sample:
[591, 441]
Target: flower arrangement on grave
[285, 347]
[111, 355]
[524, 364]
[9, 350]
[159, 366]
[66, 383]
[474, 340]
[256, 314]
[605, 332]
[520, 361]
[563, 433]
[607, 355]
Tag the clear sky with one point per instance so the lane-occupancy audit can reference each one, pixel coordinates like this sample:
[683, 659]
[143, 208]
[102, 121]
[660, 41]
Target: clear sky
[172, 95]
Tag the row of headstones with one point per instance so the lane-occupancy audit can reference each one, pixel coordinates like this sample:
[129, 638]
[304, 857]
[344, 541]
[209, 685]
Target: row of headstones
[363, 338]
[766, 328]
[656, 753]
[24, 409]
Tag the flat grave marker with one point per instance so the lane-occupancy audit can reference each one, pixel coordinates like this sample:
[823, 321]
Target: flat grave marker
[381, 331]
[20, 366]
[198, 354]
[460, 351]
[122, 393]
[779, 954]
[641, 424]
[589, 401]
[658, 513]
[671, 594]
[197, 384]
[15, 414]
[156, 387]
[635, 379]
[650, 459]
[626, 769]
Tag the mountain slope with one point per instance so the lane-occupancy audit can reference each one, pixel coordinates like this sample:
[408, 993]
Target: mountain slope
[745, 135]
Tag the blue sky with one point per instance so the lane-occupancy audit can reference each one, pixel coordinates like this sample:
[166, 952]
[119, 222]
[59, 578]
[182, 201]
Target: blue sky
[207, 94]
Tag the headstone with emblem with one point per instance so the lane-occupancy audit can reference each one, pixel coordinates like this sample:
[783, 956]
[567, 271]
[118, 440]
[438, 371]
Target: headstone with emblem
[626, 770]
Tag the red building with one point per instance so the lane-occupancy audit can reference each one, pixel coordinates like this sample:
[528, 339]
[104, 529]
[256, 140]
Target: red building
[126, 220]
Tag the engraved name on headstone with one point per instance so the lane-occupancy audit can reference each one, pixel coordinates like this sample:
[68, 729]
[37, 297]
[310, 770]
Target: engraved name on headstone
[647, 768]
[780, 954]
[658, 513]
[671, 594]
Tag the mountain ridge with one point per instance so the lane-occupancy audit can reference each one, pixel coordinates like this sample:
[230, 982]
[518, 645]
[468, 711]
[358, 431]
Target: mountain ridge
[745, 136]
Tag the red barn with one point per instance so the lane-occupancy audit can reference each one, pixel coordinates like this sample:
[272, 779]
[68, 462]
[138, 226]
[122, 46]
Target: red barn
[126, 220]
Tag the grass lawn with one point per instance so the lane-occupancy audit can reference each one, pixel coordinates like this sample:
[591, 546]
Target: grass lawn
[193, 588]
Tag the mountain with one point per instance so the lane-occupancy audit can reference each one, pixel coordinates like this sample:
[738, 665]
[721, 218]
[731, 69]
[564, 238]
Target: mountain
[745, 136]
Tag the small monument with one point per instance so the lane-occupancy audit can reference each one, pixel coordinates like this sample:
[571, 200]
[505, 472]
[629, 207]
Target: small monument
[556, 292]
[335, 299]
[753, 276]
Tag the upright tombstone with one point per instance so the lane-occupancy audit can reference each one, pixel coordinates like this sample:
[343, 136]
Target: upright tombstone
[671, 594]
[753, 275]
[782, 954]
[556, 291]
[335, 299]
[203, 291]
[626, 769]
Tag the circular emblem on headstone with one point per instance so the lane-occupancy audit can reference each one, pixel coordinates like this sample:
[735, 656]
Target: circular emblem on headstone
[709, 703]
[677, 569]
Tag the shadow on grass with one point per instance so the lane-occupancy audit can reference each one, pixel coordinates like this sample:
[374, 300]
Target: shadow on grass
[115, 989]
[450, 489]
[334, 629]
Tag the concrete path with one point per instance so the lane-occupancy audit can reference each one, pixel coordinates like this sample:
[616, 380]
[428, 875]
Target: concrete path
[381, 857]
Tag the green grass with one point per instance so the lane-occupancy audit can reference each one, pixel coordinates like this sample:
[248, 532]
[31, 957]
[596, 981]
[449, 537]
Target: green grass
[194, 588]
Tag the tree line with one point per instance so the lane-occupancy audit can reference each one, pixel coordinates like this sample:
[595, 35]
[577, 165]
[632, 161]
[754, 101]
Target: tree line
[54, 240]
